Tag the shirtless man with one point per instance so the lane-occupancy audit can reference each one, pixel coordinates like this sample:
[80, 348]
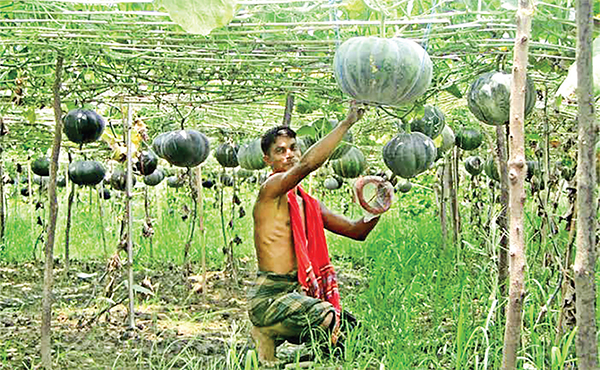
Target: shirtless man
[279, 309]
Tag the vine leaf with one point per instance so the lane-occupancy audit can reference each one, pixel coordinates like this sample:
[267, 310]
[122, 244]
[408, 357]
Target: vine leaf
[200, 16]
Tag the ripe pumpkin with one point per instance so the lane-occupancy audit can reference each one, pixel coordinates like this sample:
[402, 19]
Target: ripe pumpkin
[118, 179]
[392, 71]
[182, 148]
[86, 172]
[250, 156]
[83, 126]
[331, 183]
[489, 97]
[41, 166]
[469, 139]
[155, 177]
[409, 154]
[146, 163]
[351, 165]
[490, 167]
[474, 165]
[431, 124]
[226, 155]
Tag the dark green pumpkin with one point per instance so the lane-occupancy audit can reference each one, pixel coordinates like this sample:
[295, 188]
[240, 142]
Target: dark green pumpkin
[208, 183]
[491, 169]
[250, 155]
[489, 97]
[118, 179]
[469, 139]
[61, 181]
[105, 193]
[351, 165]
[404, 187]
[474, 165]
[154, 178]
[146, 163]
[83, 126]
[226, 155]
[182, 148]
[41, 166]
[86, 172]
[431, 124]
[409, 154]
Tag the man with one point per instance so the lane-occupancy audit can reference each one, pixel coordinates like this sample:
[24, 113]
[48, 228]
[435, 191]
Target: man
[296, 289]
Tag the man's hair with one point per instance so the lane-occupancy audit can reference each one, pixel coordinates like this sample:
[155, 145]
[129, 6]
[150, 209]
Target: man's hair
[270, 136]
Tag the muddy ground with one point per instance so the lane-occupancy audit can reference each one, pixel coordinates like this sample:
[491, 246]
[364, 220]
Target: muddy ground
[175, 320]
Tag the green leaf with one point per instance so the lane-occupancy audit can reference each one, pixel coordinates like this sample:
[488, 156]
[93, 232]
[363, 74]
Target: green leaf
[30, 115]
[306, 131]
[455, 91]
[200, 16]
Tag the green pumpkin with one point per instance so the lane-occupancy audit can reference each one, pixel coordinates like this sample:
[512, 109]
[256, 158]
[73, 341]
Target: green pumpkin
[431, 124]
[351, 165]
[155, 177]
[41, 166]
[146, 163]
[469, 139]
[491, 169]
[489, 98]
[118, 179]
[182, 148]
[83, 126]
[61, 181]
[391, 71]
[404, 187]
[86, 172]
[445, 141]
[474, 165]
[226, 155]
[409, 154]
[250, 156]
[331, 183]
[175, 182]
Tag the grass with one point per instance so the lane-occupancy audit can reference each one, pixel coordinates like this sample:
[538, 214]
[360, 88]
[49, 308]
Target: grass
[423, 304]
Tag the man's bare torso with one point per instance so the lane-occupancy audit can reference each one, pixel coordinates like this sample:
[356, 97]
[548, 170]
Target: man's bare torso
[273, 234]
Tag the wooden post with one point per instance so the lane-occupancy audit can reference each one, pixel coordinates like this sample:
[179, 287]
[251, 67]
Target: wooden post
[101, 213]
[68, 225]
[51, 227]
[201, 227]
[585, 259]
[502, 220]
[289, 107]
[128, 197]
[452, 185]
[516, 177]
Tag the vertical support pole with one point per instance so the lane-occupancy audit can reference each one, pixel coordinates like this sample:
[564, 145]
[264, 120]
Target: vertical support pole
[128, 197]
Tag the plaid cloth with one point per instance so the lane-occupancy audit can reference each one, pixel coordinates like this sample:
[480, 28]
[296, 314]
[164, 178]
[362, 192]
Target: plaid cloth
[279, 298]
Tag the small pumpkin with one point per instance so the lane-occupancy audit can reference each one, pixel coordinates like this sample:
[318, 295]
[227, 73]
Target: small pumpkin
[409, 154]
[86, 172]
[208, 183]
[83, 126]
[226, 155]
[155, 177]
[41, 166]
[175, 182]
[61, 181]
[491, 169]
[469, 139]
[182, 148]
[474, 165]
[489, 97]
[118, 179]
[146, 163]
[331, 183]
[404, 187]
[391, 71]
[250, 155]
[351, 165]
[431, 124]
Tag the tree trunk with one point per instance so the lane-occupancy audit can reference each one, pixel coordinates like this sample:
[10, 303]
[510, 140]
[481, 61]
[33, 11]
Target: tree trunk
[503, 217]
[49, 265]
[128, 196]
[585, 259]
[289, 107]
[516, 176]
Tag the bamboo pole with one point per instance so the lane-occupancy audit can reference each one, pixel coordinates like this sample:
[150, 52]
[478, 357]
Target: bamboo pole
[516, 176]
[45, 345]
[585, 259]
[128, 197]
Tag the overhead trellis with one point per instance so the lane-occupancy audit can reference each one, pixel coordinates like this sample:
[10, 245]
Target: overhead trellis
[130, 51]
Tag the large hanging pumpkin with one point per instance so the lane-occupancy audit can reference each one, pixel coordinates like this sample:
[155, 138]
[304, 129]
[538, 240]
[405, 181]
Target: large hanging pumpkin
[392, 71]
[351, 165]
[489, 97]
[182, 148]
[226, 155]
[250, 156]
[431, 124]
[409, 154]
[83, 126]
[86, 172]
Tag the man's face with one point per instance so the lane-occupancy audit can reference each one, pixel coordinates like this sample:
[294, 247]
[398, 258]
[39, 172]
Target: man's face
[283, 154]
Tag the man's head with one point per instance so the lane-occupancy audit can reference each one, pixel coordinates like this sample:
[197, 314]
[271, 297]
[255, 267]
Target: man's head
[280, 149]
